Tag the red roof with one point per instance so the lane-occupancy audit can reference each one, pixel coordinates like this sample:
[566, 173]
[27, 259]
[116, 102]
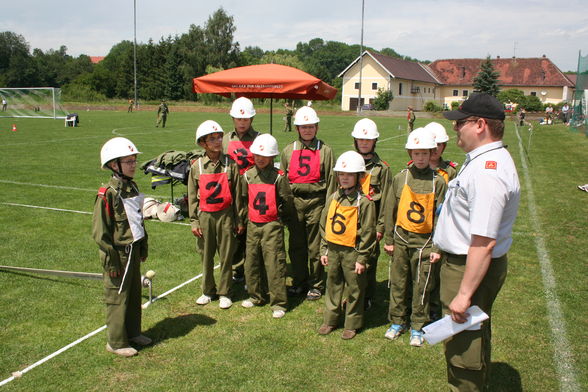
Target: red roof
[96, 59]
[513, 72]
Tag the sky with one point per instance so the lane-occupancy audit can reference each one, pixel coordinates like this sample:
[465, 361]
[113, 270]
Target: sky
[422, 29]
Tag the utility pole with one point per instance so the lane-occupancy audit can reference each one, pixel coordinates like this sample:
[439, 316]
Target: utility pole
[360, 57]
[135, 50]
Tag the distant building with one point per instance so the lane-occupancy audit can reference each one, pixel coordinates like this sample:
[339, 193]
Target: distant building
[96, 59]
[450, 80]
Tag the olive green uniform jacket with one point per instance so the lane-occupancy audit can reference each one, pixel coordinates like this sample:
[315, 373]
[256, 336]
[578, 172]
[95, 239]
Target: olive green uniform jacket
[341, 270]
[218, 227]
[112, 233]
[309, 200]
[410, 266]
[265, 241]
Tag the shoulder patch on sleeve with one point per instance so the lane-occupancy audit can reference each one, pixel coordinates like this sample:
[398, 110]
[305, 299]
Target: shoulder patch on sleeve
[369, 197]
[452, 164]
[385, 163]
[102, 190]
[409, 162]
[491, 165]
[281, 172]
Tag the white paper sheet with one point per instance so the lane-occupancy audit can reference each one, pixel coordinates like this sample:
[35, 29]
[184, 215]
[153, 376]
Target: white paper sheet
[445, 328]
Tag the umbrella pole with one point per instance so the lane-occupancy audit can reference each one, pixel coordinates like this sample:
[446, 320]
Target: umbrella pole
[271, 114]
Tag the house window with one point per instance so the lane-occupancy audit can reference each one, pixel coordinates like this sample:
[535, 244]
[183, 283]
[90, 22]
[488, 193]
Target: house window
[357, 85]
[399, 88]
[455, 93]
[534, 93]
[374, 86]
[465, 93]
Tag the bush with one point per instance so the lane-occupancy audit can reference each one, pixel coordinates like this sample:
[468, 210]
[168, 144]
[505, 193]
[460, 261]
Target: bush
[532, 104]
[382, 100]
[454, 105]
[431, 106]
[81, 93]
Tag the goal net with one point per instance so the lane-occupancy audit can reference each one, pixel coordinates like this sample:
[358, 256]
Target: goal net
[579, 121]
[33, 102]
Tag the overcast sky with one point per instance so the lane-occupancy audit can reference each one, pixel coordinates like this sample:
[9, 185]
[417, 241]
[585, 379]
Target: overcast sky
[423, 29]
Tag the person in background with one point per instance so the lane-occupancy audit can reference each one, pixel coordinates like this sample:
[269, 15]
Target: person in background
[410, 117]
[162, 112]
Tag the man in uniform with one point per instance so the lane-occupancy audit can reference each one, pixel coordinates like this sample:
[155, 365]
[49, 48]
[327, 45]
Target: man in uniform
[162, 112]
[475, 232]
[288, 118]
[237, 145]
[308, 163]
[410, 117]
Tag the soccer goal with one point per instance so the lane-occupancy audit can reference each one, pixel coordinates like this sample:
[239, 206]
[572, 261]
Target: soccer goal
[32, 102]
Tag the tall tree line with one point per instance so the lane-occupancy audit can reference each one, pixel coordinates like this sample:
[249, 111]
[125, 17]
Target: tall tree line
[165, 69]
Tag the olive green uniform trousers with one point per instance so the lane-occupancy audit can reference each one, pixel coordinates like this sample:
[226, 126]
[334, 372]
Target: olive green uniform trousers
[344, 281]
[266, 255]
[218, 235]
[123, 311]
[468, 353]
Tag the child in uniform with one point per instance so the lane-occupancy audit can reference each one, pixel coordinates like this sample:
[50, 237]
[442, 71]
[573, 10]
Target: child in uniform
[269, 199]
[414, 196]
[348, 231]
[119, 231]
[215, 210]
[308, 162]
[374, 184]
[236, 144]
[447, 170]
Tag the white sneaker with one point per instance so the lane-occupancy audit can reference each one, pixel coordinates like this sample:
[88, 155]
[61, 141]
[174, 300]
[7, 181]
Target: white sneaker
[225, 302]
[141, 340]
[123, 352]
[203, 299]
[247, 303]
[278, 314]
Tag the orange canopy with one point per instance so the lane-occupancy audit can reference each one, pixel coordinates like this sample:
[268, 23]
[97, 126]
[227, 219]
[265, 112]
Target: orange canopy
[265, 81]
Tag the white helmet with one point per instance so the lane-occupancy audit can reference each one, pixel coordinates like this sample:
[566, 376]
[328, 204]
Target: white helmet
[265, 145]
[439, 132]
[421, 139]
[208, 127]
[167, 212]
[365, 129]
[117, 147]
[242, 108]
[350, 162]
[150, 208]
[305, 116]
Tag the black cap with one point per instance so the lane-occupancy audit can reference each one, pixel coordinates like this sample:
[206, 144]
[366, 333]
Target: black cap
[478, 105]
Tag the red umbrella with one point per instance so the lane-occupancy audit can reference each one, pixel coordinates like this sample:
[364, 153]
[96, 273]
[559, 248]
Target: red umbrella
[265, 81]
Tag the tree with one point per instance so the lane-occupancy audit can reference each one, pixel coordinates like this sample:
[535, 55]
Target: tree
[487, 79]
[382, 100]
[17, 68]
[221, 51]
[511, 95]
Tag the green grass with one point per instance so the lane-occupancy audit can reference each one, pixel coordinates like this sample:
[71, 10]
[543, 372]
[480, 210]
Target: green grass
[245, 349]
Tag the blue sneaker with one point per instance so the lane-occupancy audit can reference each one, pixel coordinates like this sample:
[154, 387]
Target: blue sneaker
[416, 338]
[394, 331]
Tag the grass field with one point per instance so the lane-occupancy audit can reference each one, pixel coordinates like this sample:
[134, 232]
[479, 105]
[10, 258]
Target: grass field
[209, 349]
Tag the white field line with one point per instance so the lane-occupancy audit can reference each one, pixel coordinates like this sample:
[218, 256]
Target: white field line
[61, 187]
[19, 373]
[81, 212]
[564, 361]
